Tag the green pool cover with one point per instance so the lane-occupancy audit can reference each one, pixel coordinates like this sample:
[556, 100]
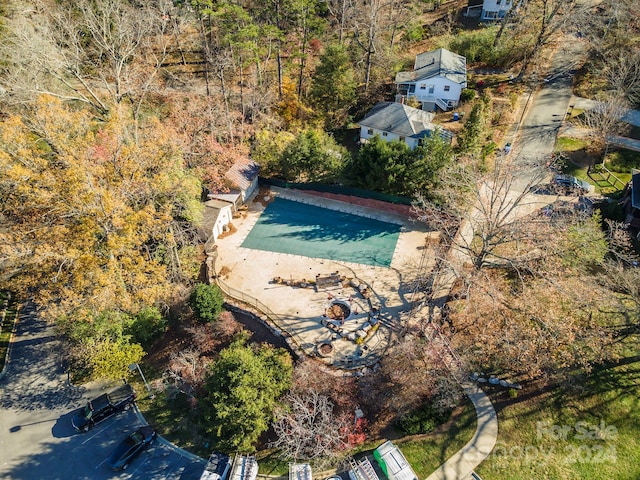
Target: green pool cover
[292, 227]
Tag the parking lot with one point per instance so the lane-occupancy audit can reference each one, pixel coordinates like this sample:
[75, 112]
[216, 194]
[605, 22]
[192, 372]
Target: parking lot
[86, 454]
[37, 440]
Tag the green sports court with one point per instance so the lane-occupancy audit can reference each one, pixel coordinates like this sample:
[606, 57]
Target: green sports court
[286, 226]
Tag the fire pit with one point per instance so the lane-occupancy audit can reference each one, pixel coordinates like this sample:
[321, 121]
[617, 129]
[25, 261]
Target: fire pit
[324, 348]
[338, 310]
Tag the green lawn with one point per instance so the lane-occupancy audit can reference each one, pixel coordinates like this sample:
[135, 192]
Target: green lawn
[428, 452]
[176, 420]
[571, 144]
[591, 430]
[577, 171]
[269, 463]
[576, 151]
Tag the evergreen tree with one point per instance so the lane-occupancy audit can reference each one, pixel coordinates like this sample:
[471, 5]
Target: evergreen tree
[206, 301]
[333, 90]
[473, 134]
[243, 387]
[392, 167]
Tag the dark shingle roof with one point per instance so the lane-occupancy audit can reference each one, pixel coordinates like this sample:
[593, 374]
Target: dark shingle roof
[437, 63]
[400, 119]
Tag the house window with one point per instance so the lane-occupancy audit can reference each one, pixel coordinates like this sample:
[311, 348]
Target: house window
[431, 88]
[370, 131]
[384, 134]
[447, 88]
[423, 86]
[401, 139]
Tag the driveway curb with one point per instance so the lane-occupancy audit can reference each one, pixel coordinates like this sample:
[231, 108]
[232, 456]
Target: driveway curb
[7, 356]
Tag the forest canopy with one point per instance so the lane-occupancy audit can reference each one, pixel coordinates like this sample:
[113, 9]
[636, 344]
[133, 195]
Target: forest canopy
[92, 217]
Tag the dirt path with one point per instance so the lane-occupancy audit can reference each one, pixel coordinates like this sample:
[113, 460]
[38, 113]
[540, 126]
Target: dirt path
[260, 333]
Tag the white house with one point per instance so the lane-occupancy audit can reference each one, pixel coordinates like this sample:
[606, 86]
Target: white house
[437, 79]
[489, 10]
[396, 121]
[495, 9]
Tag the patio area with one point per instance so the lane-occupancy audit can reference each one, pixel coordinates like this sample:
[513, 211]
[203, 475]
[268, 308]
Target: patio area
[379, 298]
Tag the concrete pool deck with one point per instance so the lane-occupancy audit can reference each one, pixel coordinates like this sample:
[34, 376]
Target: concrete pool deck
[299, 311]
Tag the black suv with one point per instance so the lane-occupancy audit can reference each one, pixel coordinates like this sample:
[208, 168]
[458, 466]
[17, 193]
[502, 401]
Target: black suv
[102, 407]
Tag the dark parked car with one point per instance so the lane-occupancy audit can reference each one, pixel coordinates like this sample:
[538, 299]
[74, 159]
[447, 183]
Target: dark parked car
[131, 447]
[571, 182]
[102, 407]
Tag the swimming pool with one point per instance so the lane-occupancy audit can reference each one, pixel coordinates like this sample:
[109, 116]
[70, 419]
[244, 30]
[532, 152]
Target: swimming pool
[286, 226]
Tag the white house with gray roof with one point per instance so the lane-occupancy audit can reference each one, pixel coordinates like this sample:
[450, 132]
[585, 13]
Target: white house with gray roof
[437, 79]
[490, 10]
[495, 9]
[396, 121]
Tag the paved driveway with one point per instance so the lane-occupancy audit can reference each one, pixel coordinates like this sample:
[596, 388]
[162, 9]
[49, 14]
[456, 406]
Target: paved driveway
[540, 128]
[37, 440]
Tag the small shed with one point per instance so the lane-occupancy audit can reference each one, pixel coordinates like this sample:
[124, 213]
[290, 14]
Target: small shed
[393, 463]
[241, 181]
[216, 218]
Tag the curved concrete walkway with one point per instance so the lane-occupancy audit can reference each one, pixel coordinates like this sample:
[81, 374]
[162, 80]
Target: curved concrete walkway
[462, 463]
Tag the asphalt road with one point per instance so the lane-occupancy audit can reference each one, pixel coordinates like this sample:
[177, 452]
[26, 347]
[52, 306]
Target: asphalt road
[37, 440]
[548, 107]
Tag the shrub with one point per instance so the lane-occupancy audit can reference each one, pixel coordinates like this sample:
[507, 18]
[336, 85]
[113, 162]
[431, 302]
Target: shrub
[422, 420]
[147, 325]
[611, 210]
[414, 32]
[206, 301]
[467, 95]
[488, 149]
[623, 161]
[476, 46]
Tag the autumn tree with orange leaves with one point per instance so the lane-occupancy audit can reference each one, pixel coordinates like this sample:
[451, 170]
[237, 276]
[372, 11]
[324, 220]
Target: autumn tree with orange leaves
[93, 219]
